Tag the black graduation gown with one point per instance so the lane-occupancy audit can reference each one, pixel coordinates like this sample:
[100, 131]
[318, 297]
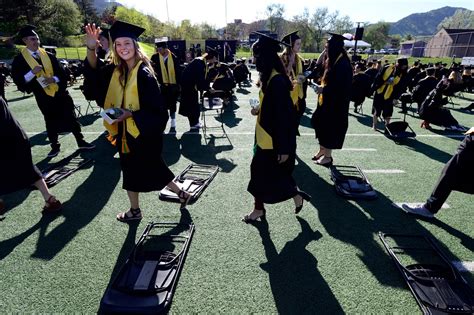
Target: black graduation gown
[432, 110]
[170, 92]
[360, 87]
[58, 111]
[271, 182]
[330, 120]
[16, 165]
[423, 88]
[143, 167]
[193, 79]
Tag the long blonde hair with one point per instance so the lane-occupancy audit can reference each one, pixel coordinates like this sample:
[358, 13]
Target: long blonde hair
[122, 65]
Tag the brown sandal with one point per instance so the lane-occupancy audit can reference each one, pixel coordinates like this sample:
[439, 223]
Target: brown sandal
[52, 205]
[130, 215]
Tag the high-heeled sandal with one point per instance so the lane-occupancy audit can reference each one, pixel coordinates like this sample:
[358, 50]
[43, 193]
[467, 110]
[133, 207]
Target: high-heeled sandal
[327, 164]
[52, 205]
[317, 156]
[304, 196]
[130, 215]
[247, 219]
[184, 198]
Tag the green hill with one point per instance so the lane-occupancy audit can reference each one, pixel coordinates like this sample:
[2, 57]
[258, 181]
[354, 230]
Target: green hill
[422, 23]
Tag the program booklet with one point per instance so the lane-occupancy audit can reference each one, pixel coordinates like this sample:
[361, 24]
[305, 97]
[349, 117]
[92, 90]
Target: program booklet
[110, 115]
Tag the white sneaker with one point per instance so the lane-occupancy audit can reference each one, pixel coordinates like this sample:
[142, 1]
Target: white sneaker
[418, 210]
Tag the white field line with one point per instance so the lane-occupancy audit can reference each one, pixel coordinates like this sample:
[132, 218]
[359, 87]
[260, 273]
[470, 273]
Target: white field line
[384, 171]
[32, 133]
[359, 149]
[416, 204]
[464, 266]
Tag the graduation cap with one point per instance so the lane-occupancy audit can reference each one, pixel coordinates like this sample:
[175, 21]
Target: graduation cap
[27, 30]
[104, 32]
[336, 37]
[161, 42]
[402, 61]
[290, 38]
[124, 29]
[266, 43]
[212, 52]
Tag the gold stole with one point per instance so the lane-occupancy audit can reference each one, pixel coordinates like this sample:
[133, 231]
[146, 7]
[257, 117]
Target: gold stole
[169, 77]
[323, 84]
[297, 91]
[386, 76]
[263, 139]
[123, 97]
[47, 71]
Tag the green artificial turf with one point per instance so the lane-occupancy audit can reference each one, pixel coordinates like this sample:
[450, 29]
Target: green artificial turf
[328, 259]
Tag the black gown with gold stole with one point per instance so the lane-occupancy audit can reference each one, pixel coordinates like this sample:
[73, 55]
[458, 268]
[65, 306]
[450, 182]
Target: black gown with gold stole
[331, 117]
[58, 110]
[271, 182]
[170, 91]
[143, 167]
[16, 167]
[193, 79]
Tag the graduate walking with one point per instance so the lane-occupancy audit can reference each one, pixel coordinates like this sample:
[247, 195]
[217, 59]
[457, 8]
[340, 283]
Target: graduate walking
[129, 86]
[35, 70]
[271, 179]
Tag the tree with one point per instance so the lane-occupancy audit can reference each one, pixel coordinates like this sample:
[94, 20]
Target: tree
[275, 21]
[209, 31]
[132, 16]
[320, 21]
[188, 31]
[377, 34]
[88, 11]
[341, 25]
[306, 32]
[462, 19]
[108, 16]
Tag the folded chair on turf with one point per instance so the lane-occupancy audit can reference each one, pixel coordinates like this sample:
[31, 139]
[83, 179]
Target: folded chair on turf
[350, 182]
[436, 284]
[194, 180]
[62, 169]
[147, 281]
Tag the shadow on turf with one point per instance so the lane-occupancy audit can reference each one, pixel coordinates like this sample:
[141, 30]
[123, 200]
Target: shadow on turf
[426, 149]
[192, 148]
[87, 201]
[20, 98]
[297, 285]
[359, 226]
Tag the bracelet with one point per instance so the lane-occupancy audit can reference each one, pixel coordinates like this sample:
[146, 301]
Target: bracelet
[91, 49]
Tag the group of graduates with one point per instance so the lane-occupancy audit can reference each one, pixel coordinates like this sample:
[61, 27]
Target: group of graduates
[429, 86]
[144, 92]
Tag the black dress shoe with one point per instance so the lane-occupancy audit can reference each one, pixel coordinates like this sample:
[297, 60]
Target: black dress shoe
[326, 164]
[54, 151]
[304, 196]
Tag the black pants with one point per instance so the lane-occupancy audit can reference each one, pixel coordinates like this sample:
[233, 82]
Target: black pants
[457, 174]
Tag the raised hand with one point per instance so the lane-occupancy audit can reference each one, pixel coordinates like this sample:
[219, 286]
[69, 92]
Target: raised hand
[92, 36]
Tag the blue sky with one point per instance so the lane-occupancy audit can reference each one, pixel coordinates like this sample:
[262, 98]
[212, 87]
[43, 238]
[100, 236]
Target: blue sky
[214, 12]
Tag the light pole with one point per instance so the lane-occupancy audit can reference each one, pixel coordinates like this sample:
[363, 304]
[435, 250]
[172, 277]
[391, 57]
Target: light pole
[167, 11]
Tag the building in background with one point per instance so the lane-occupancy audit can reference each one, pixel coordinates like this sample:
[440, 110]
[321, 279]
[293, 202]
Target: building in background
[450, 43]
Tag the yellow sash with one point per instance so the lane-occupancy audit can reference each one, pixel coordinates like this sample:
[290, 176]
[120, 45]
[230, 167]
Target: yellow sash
[388, 92]
[169, 77]
[323, 84]
[120, 97]
[297, 91]
[263, 139]
[47, 71]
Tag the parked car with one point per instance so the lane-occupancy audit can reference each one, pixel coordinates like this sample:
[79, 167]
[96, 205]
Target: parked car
[392, 51]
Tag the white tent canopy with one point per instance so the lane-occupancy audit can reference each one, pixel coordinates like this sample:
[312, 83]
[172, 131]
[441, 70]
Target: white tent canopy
[360, 44]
